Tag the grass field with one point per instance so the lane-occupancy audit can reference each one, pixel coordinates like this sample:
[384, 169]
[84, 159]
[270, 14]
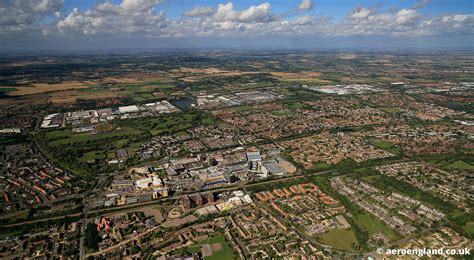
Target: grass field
[390, 110]
[282, 113]
[94, 155]
[316, 81]
[84, 137]
[373, 225]
[388, 146]
[58, 134]
[121, 143]
[342, 239]
[460, 165]
[469, 228]
[296, 105]
[224, 254]
[5, 90]
[242, 108]
[321, 166]
[175, 123]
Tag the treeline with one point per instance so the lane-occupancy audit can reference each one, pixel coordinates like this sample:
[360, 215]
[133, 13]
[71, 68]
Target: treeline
[43, 225]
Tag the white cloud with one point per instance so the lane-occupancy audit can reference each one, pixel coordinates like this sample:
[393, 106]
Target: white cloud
[200, 11]
[21, 15]
[421, 4]
[139, 18]
[130, 16]
[128, 6]
[256, 13]
[306, 5]
[359, 13]
[259, 13]
[304, 20]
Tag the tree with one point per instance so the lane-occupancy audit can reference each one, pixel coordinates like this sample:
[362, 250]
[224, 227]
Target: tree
[92, 237]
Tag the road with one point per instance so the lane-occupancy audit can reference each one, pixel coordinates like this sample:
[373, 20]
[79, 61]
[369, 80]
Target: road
[81, 243]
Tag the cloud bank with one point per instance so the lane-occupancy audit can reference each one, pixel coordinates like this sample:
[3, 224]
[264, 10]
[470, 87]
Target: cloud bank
[130, 18]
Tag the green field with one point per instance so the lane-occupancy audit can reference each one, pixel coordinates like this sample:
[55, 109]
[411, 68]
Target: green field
[58, 134]
[121, 143]
[5, 90]
[181, 134]
[242, 108]
[373, 225]
[321, 166]
[460, 165]
[209, 121]
[91, 156]
[296, 105]
[341, 239]
[224, 254]
[85, 137]
[174, 123]
[316, 81]
[390, 110]
[469, 228]
[388, 146]
[282, 113]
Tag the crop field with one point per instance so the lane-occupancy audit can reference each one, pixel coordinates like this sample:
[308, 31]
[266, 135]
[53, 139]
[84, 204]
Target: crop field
[44, 87]
[71, 96]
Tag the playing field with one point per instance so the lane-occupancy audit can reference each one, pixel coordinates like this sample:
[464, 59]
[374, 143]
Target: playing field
[374, 225]
[341, 239]
[221, 252]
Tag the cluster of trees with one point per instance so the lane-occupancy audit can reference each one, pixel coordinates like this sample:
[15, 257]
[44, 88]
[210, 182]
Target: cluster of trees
[92, 238]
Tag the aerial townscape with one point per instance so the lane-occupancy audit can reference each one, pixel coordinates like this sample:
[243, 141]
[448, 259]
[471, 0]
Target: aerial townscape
[120, 149]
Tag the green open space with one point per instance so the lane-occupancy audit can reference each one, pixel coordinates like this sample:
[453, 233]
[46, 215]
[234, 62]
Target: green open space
[390, 110]
[181, 134]
[121, 143]
[341, 239]
[460, 165]
[469, 228]
[314, 81]
[173, 123]
[224, 254]
[242, 108]
[58, 134]
[321, 166]
[388, 146]
[5, 90]
[88, 137]
[373, 225]
[91, 156]
[295, 105]
[282, 113]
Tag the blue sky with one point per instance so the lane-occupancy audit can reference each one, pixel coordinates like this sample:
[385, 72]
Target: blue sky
[36, 24]
[334, 8]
